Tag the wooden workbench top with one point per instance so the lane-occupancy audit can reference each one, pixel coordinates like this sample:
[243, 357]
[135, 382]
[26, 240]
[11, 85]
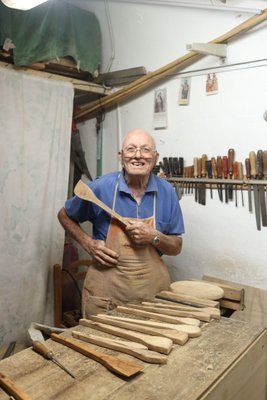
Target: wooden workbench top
[191, 370]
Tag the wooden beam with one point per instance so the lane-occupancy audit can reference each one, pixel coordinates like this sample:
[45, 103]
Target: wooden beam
[78, 84]
[153, 78]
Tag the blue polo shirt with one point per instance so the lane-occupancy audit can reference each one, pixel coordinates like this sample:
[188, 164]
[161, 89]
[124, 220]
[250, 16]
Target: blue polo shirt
[169, 219]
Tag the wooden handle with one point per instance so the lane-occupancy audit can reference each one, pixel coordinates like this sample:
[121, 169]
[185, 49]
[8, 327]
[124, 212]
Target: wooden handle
[195, 167]
[248, 171]
[264, 161]
[252, 160]
[240, 171]
[12, 389]
[114, 364]
[231, 157]
[203, 165]
[219, 166]
[235, 169]
[225, 167]
[214, 167]
[259, 164]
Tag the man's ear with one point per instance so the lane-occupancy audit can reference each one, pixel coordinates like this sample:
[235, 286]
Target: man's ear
[120, 156]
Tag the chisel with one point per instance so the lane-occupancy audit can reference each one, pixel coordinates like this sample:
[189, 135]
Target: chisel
[235, 175]
[195, 162]
[253, 172]
[259, 164]
[41, 348]
[241, 177]
[209, 173]
[225, 175]
[231, 157]
[264, 160]
[248, 175]
[203, 175]
[220, 174]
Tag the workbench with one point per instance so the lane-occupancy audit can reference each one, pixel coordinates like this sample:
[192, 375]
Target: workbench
[228, 361]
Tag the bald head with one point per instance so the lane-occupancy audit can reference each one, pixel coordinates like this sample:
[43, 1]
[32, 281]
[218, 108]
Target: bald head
[139, 136]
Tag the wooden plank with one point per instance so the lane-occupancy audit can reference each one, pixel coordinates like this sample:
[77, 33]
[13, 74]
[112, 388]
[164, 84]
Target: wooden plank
[230, 292]
[190, 300]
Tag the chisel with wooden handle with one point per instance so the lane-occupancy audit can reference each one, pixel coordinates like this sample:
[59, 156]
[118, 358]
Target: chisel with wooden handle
[259, 164]
[241, 177]
[248, 175]
[225, 175]
[114, 364]
[13, 389]
[231, 158]
[131, 348]
[253, 172]
[264, 161]
[220, 174]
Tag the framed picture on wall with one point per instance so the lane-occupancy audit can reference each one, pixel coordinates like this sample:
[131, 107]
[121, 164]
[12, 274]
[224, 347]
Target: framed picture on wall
[184, 92]
[160, 109]
[211, 84]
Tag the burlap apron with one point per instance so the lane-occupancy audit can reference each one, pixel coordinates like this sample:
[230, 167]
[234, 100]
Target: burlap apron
[139, 275]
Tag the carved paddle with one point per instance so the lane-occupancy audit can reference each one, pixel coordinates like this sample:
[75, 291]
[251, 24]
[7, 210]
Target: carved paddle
[82, 191]
[114, 364]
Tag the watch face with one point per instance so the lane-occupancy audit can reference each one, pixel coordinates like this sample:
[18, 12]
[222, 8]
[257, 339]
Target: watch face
[156, 240]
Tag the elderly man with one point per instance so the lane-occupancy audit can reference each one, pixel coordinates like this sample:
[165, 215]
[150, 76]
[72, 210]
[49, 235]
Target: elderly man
[127, 264]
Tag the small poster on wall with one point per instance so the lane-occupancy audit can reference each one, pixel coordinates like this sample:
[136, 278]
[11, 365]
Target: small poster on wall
[160, 109]
[184, 92]
[211, 84]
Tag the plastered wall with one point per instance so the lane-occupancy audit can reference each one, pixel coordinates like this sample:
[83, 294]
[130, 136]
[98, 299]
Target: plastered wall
[221, 239]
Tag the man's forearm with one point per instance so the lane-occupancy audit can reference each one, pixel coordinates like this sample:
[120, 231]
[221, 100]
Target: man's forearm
[170, 245]
[72, 227]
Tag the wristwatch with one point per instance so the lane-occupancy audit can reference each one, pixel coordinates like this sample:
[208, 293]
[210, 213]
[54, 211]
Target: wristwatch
[156, 239]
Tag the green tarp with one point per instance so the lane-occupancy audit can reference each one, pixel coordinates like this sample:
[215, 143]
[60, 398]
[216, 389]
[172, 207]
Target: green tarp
[53, 30]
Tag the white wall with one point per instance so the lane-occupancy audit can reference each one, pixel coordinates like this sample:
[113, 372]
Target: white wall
[221, 239]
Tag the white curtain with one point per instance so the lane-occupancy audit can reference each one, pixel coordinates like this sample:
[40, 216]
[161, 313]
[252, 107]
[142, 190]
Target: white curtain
[35, 129]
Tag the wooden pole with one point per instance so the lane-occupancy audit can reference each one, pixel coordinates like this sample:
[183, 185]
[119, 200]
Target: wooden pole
[152, 78]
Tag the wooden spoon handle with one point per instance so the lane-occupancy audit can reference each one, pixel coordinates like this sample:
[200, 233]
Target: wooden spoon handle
[12, 389]
[114, 364]
[82, 191]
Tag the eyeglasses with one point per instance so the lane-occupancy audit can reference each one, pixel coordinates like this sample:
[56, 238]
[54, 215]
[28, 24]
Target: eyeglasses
[145, 151]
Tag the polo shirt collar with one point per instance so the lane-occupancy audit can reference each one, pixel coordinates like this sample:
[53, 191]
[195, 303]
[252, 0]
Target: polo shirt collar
[151, 186]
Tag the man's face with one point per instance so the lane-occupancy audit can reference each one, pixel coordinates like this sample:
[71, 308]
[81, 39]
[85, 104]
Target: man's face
[138, 155]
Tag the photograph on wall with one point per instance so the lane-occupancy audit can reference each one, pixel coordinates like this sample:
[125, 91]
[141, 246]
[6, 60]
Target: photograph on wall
[184, 92]
[211, 84]
[160, 109]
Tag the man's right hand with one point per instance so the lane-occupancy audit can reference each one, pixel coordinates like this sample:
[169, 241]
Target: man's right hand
[99, 252]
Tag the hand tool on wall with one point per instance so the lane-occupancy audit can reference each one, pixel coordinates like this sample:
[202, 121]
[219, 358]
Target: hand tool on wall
[115, 364]
[181, 166]
[264, 158]
[175, 164]
[241, 177]
[253, 172]
[202, 195]
[195, 174]
[225, 175]
[41, 348]
[166, 166]
[248, 175]
[259, 164]
[235, 175]
[220, 175]
[231, 157]
[170, 162]
[209, 173]
[215, 174]
[13, 389]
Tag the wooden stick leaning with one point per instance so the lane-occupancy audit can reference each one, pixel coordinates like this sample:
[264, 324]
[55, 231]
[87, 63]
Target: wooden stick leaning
[119, 366]
[161, 303]
[12, 389]
[154, 77]
[134, 349]
[185, 299]
[158, 317]
[155, 343]
[177, 337]
[191, 330]
[175, 313]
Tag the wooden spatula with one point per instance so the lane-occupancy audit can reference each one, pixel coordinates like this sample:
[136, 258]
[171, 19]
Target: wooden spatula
[114, 364]
[84, 192]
